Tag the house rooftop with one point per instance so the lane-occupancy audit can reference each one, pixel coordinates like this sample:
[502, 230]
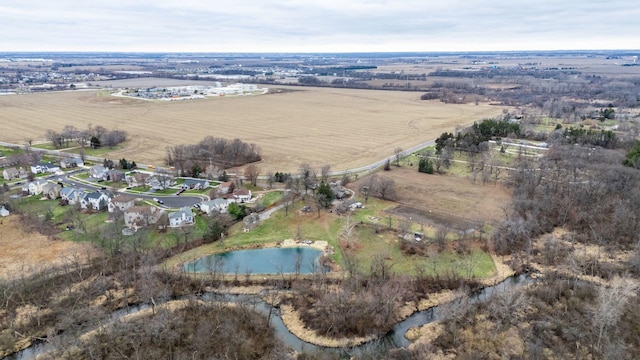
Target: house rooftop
[178, 214]
[122, 199]
[139, 209]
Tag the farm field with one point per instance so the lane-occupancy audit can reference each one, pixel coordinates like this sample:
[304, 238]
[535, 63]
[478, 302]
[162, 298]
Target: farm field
[344, 128]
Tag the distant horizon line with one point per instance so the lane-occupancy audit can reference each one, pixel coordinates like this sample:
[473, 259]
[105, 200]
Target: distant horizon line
[319, 52]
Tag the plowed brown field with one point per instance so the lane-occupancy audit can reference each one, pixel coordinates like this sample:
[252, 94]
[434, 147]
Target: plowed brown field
[341, 127]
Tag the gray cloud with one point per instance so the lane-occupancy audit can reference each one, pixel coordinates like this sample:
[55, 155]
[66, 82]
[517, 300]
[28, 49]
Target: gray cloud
[330, 25]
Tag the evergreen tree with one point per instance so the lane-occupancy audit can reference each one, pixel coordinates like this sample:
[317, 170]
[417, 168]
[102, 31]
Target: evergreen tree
[324, 194]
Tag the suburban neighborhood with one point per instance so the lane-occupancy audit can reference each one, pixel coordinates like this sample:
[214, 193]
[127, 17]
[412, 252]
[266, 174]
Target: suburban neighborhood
[141, 198]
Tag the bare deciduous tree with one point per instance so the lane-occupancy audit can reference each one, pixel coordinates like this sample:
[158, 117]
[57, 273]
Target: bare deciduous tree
[386, 188]
[324, 173]
[398, 152]
[609, 306]
[252, 172]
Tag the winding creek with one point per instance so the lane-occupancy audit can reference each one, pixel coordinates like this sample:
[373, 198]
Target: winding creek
[395, 337]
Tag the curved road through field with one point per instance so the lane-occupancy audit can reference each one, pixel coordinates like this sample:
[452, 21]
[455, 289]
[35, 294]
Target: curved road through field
[364, 168]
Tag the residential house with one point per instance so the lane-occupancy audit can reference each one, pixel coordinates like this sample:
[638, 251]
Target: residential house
[71, 162]
[4, 212]
[44, 167]
[35, 187]
[67, 194]
[198, 184]
[242, 195]
[68, 163]
[160, 182]
[114, 175]
[96, 200]
[72, 195]
[226, 188]
[141, 216]
[11, 173]
[137, 179]
[181, 218]
[338, 191]
[51, 190]
[218, 204]
[98, 171]
[121, 202]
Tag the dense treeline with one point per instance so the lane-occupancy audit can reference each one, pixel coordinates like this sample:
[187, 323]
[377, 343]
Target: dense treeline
[578, 135]
[197, 331]
[470, 138]
[95, 137]
[495, 72]
[586, 190]
[76, 297]
[557, 318]
[366, 304]
[558, 93]
[223, 153]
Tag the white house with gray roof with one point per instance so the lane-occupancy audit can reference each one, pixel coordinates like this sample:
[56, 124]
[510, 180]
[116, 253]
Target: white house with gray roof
[35, 187]
[181, 218]
[44, 167]
[95, 200]
[218, 204]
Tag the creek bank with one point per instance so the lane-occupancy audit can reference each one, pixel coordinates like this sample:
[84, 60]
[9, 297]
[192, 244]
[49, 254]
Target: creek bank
[394, 338]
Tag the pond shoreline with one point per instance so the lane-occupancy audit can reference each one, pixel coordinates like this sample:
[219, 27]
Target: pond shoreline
[291, 319]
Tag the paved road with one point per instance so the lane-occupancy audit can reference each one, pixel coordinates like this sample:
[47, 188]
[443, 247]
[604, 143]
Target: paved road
[170, 201]
[179, 201]
[266, 214]
[364, 168]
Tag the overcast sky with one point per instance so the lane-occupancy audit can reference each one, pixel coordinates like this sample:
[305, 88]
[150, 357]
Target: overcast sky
[317, 26]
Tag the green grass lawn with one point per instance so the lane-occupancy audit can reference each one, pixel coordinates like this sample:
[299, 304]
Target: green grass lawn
[102, 151]
[271, 198]
[10, 151]
[49, 146]
[82, 175]
[196, 192]
[140, 189]
[370, 244]
[168, 191]
[275, 229]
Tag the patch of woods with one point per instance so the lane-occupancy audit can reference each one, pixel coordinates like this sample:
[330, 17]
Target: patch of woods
[366, 303]
[211, 155]
[557, 317]
[197, 331]
[586, 304]
[559, 93]
[59, 304]
[95, 137]
[583, 189]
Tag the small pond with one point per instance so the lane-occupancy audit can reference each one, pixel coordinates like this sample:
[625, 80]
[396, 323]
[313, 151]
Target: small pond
[302, 260]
